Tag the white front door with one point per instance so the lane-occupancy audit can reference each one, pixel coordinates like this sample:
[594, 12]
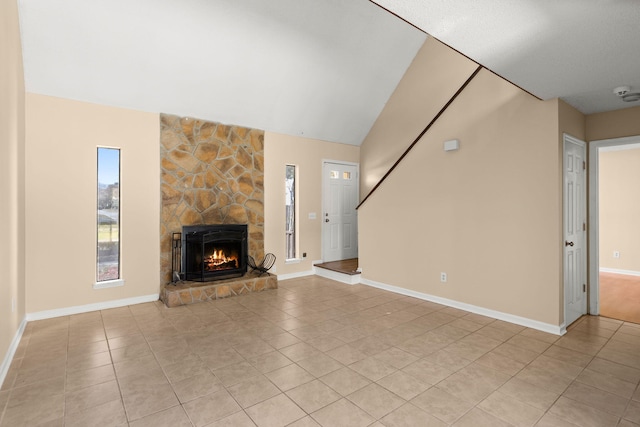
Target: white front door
[575, 226]
[339, 219]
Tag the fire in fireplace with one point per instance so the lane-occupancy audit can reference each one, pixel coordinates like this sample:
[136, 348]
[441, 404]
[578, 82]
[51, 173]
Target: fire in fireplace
[213, 252]
[218, 260]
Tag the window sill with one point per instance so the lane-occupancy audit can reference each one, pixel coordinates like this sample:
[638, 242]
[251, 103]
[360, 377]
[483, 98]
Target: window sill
[292, 261]
[108, 284]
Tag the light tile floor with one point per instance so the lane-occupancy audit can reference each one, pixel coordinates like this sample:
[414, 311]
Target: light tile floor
[316, 352]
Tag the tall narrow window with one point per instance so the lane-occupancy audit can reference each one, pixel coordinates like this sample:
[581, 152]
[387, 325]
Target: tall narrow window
[108, 219]
[290, 211]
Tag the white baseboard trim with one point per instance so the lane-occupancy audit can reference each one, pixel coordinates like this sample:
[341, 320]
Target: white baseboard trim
[48, 314]
[295, 275]
[522, 321]
[8, 357]
[349, 279]
[563, 328]
[619, 271]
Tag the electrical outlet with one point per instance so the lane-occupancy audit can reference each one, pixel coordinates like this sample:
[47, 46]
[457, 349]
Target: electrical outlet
[443, 277]
[13, 304]
[616, 254]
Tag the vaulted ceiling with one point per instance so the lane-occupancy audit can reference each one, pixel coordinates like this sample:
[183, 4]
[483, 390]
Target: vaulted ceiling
[577, 50]
[317, 68]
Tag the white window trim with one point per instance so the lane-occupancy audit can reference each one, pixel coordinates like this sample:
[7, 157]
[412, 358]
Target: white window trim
[108, 284]
[105, 284]
[296, 216]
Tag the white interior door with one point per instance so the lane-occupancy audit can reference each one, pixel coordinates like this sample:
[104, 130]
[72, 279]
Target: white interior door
[575, 226]
[340, 222]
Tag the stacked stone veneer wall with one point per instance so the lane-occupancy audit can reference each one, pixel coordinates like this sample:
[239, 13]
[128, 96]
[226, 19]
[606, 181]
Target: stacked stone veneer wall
[210, 174]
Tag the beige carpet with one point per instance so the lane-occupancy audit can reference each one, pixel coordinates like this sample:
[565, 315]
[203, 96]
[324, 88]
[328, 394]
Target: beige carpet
[620, 297]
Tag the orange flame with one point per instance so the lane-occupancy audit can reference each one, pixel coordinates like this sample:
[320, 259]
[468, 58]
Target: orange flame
[218, 260]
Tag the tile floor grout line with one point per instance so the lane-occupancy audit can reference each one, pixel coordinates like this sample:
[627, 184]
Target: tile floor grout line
[366, 314]
[583, 369]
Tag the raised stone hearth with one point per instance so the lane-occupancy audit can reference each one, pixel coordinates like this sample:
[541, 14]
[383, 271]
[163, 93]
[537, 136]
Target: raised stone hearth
[185, 293]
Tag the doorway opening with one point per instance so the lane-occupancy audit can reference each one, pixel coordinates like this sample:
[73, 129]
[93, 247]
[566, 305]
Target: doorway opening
[614, 249]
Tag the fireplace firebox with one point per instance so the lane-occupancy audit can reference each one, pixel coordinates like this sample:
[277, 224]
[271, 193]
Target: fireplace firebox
[214, 252]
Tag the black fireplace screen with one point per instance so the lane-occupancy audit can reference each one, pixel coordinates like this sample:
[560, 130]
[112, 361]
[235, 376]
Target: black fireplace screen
[212, 252]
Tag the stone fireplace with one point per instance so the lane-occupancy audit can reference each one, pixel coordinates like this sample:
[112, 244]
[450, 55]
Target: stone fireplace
[211, 174]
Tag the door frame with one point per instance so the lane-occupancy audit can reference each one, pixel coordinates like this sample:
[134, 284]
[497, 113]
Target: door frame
[568, 138]
[594, 215]
[324, 192]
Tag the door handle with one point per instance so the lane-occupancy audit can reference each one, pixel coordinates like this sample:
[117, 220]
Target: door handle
[326, 220]
[568, 243]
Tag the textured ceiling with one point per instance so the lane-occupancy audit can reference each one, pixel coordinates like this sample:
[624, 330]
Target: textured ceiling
[577, 50]
[318, 68]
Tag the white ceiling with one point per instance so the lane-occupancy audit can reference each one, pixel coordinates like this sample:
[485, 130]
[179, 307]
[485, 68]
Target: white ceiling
[318, 68]
[577, 50]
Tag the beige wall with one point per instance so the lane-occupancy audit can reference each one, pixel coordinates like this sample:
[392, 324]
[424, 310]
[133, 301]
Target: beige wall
[489, 215]
[435, 74]
[12, 279]
[571, 121]
[619, 178]
[613, 124]
[61, 138]
[307, 154]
